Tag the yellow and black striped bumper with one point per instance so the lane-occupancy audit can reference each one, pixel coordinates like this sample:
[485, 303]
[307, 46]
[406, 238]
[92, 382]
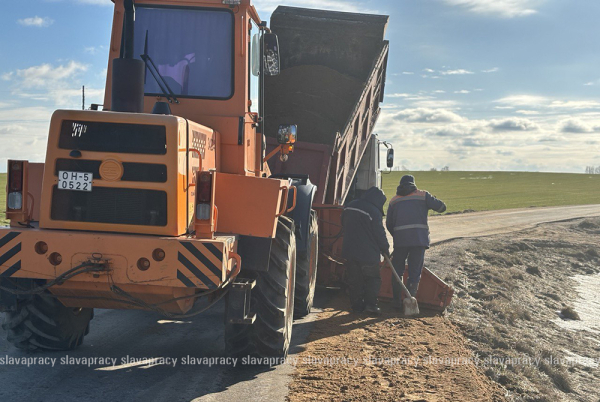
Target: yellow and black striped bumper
[188, 262]
[10, 253]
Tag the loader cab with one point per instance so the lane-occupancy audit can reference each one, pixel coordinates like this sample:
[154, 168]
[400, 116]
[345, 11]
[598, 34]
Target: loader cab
[203, 57]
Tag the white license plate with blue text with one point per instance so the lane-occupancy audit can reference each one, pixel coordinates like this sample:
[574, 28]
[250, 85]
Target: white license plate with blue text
[75, 181]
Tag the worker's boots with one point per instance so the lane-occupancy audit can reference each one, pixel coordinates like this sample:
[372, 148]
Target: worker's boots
[412, 289]
[373, 309]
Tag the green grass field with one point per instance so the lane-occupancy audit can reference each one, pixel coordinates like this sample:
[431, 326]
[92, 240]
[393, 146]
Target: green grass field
[485, 191]
[481, 191]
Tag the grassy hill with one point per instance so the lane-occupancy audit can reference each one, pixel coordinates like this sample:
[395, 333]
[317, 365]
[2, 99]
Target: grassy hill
[483, 191]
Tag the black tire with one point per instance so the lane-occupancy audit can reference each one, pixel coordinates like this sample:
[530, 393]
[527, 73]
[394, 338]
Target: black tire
[44, 323]
[306, 271]
[272, 300]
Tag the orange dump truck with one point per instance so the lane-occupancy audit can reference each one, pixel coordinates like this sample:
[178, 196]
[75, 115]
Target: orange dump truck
[192, 184]
[332, 81]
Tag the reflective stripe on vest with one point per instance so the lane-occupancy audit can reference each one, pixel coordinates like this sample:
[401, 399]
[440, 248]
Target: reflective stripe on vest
[412, 196]
[404, 227]
[359, 210]
[408, 198]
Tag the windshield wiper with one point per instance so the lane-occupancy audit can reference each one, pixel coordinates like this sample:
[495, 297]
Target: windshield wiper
[160, 80]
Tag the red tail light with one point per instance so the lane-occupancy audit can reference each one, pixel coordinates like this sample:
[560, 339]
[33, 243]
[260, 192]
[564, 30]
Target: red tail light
[14, 196]
[15, 177]
[204, 188]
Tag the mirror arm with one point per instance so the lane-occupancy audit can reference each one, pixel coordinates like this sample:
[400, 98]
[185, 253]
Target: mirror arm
[273, 153]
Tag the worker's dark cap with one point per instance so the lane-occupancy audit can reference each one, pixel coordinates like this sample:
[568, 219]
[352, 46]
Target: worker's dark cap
[407, 180]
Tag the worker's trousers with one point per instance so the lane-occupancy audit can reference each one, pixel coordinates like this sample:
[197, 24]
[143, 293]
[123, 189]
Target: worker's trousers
[364, 282]
[416, 258]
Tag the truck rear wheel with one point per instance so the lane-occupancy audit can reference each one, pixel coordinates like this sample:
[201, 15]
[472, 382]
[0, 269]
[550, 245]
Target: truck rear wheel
[272, 300]
[43, 322]
[306, 274]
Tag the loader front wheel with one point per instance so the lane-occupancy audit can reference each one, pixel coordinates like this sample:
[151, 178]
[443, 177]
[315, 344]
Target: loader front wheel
[306, 275]
[272, 300]
[44, 323]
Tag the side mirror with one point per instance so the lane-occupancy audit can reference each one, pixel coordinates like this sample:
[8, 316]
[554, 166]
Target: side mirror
[287, 134]
[390, 158]
[271, 47]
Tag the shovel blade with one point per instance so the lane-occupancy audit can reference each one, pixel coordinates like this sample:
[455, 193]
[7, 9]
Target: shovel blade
[411, 307]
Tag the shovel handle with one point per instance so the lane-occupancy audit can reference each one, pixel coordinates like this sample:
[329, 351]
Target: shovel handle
[398, 279]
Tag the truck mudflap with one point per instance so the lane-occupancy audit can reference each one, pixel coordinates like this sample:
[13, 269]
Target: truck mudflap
[146, 269]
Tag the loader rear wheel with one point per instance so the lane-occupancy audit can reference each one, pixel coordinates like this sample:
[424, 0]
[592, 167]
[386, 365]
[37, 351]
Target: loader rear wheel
[306, 270]
[272, 300]
[44, 323]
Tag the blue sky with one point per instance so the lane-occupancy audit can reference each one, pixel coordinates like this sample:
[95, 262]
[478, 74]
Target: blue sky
[472, 84]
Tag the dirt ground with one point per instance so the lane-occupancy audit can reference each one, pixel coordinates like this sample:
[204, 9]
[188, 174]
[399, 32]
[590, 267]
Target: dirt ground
[386, 360]
[506, 336]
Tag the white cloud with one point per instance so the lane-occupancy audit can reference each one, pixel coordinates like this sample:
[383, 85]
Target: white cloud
[527, 112]
[524, 100]
[433, 104]
[407, 73]
[462, 91]
[93, 50]
[428, 70]
[491, 70]
[425, 115]
[513, 124]
[500, 8]
[457, 72]
[45, 75]
[25, 114]
[541, 102]
[398, 95]
[454, 130]
[586, 104]
[576, 126]
[60, 85]
[508, 143]
[439, 91]
[38, 22]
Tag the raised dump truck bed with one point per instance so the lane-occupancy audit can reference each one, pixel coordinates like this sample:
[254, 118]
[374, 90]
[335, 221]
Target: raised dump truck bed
[331, 85]
[332, 81]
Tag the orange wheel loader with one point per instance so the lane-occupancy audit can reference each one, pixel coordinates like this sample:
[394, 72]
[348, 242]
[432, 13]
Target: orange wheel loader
[191, 185]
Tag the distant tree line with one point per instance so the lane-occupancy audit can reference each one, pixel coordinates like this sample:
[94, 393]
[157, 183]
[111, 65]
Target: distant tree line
[592, 170]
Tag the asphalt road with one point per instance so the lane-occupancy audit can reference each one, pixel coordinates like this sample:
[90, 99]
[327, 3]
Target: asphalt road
[128, 335]
[138, 340]
[490, 223]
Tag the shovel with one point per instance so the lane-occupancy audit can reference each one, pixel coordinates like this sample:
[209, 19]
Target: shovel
[411, 307]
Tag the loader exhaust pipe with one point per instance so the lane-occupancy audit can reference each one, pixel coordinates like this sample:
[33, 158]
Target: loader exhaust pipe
[128, 72]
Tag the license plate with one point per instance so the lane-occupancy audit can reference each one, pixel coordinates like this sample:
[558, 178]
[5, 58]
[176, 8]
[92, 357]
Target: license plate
[76, 181]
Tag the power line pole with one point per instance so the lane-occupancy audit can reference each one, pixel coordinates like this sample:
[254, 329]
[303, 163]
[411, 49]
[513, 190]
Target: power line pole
[83, 98]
